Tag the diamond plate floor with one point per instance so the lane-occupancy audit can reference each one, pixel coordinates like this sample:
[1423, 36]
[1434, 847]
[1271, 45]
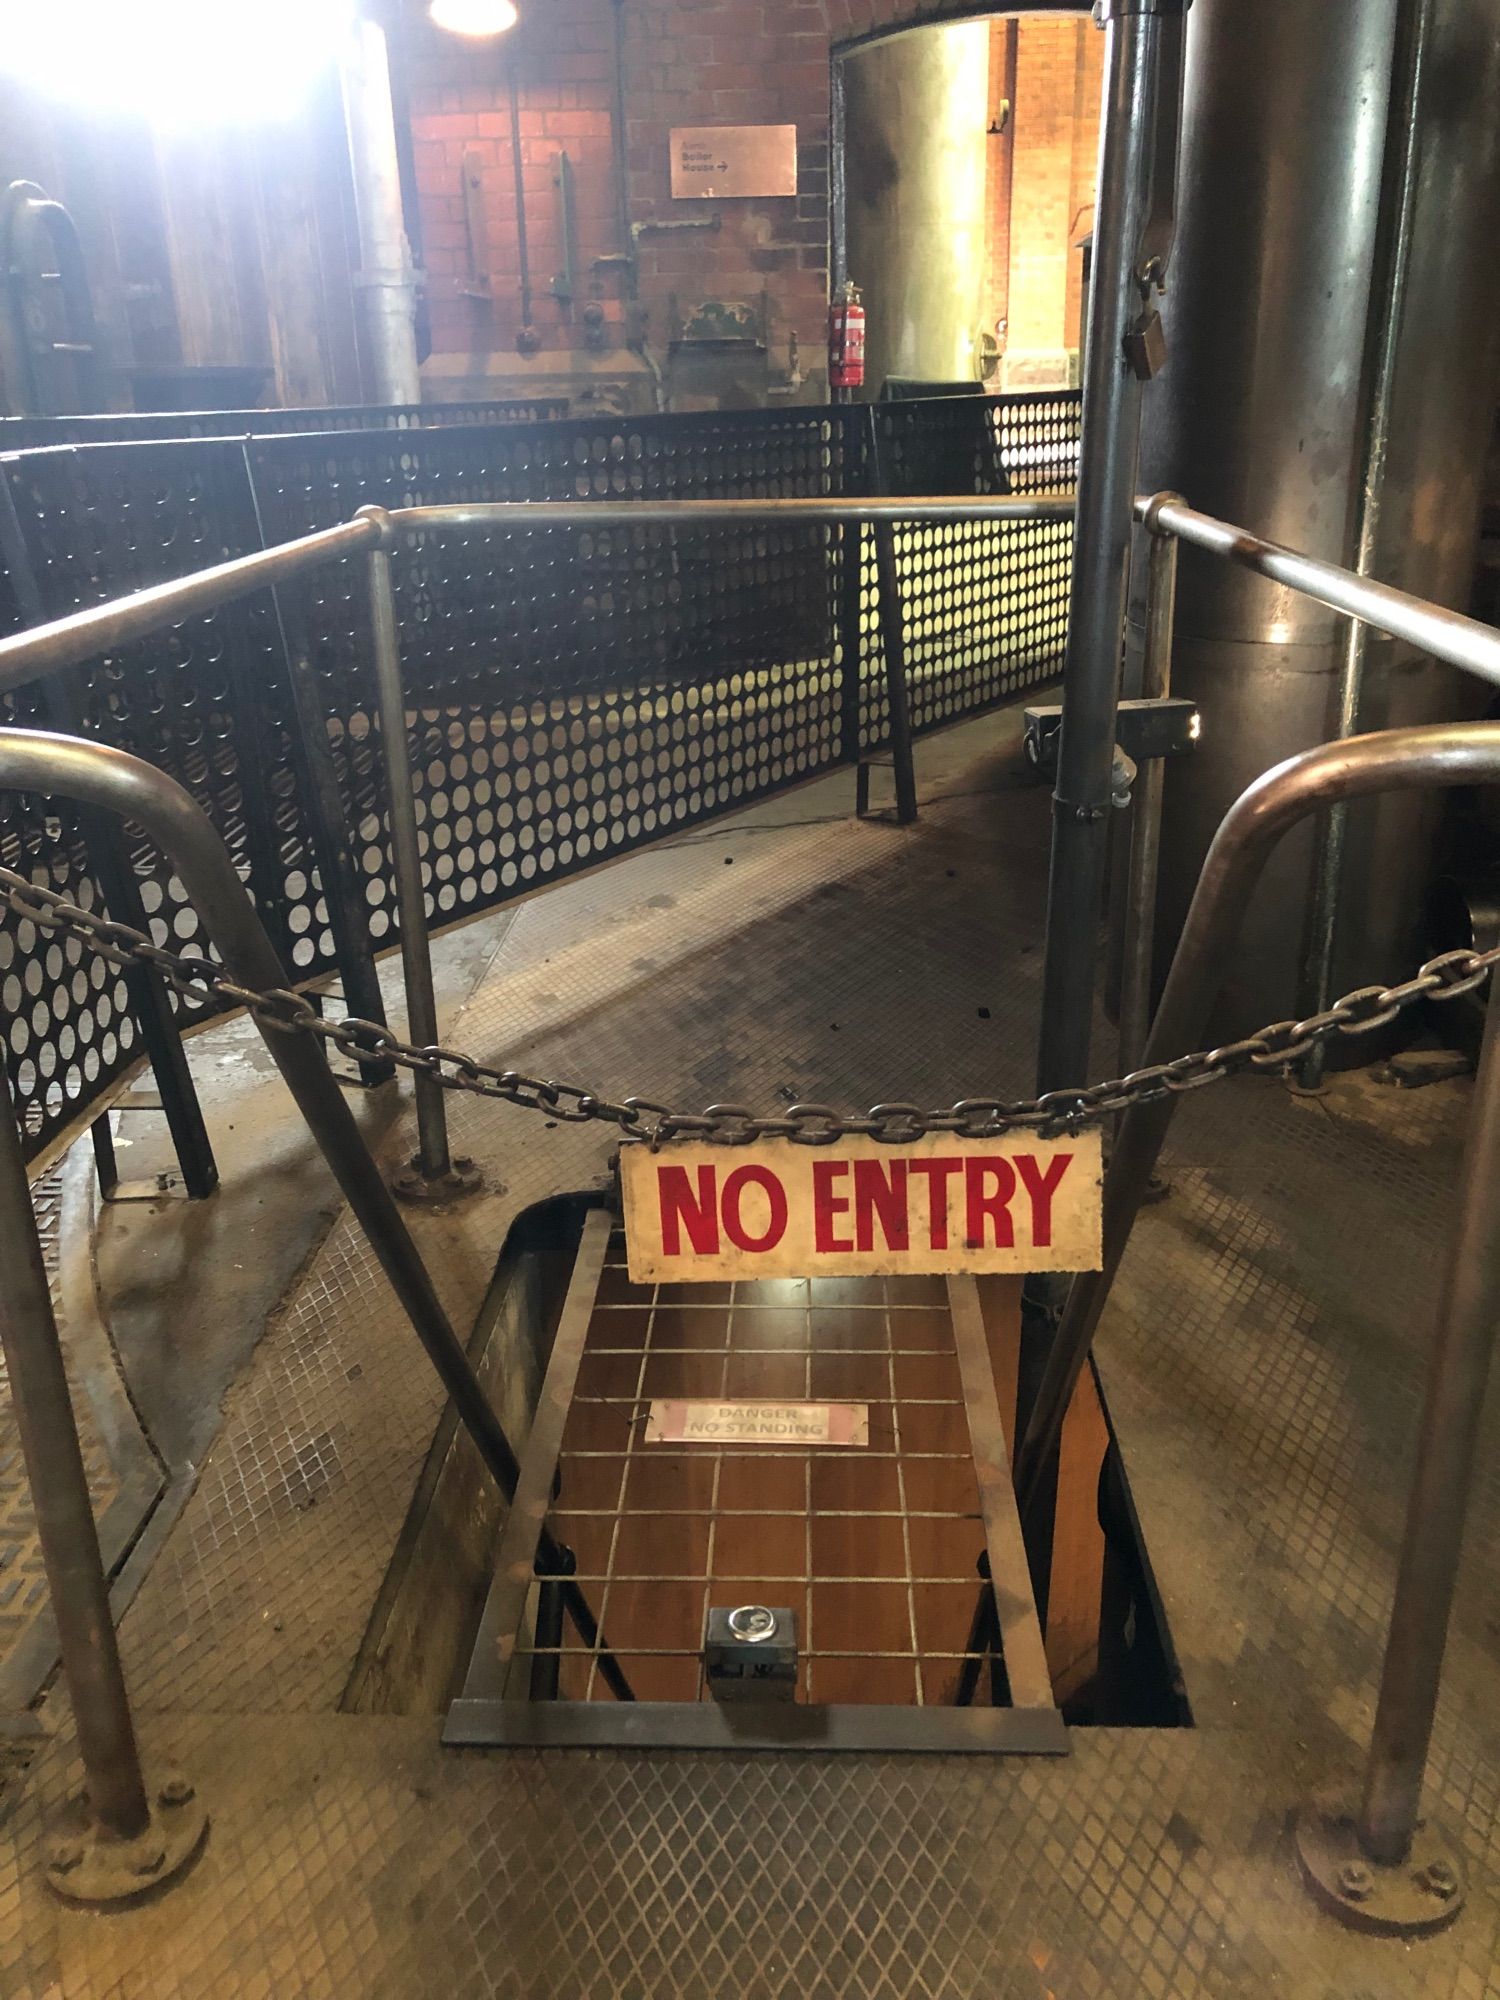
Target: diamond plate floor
[1262, 1362]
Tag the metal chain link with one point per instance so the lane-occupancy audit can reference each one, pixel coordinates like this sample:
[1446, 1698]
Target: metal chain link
[1273, 1047]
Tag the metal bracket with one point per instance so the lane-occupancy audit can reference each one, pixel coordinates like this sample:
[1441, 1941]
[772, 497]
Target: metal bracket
[1161, 726]
[89, 1865]
[461, 1178]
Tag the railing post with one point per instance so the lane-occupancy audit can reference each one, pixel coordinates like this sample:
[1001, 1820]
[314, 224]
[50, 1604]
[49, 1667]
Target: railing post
[1145, 826]
[1385, 1869]
[433, 1174]
[891, 632]
[127, 1843]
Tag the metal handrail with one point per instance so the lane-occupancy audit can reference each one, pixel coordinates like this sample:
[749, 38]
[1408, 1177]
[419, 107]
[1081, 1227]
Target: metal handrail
[1454, 754]
[112, 781]
[66, 642]
[1450, 636]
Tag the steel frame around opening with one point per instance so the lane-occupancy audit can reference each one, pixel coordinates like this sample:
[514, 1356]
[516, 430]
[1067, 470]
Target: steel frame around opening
[487, 1712]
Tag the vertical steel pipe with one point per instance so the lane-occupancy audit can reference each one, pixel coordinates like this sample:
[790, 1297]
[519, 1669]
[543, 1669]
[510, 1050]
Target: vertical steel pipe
[1101, 551]
[411, 899]
[386, 280]
[1145, 828]
[1468, 1316]
[64, 1512]
[1393, 261]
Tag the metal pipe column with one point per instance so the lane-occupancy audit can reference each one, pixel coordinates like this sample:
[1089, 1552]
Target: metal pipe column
[1101, 550]
[1145, 831]
[1402, 150]
[64, 1512]
[385, 279]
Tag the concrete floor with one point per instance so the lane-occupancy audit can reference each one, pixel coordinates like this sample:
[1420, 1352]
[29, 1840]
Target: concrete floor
[1262, 1363]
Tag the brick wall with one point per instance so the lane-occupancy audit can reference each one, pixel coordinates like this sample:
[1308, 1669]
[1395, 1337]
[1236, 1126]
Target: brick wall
[1054, 144]
[687, 62]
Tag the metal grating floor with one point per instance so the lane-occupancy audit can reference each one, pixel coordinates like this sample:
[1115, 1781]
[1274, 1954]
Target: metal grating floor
[1262, 1363]
[873, 1549]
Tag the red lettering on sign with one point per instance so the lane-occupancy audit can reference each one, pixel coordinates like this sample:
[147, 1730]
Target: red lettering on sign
[992, 1205]
[877, 1193]
[827, 1205]
[1041, 1184]
[734, 1222]
[680, 1211]
[939, 1172]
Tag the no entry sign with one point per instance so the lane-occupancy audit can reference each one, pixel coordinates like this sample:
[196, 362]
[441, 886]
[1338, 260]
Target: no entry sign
[857, 1208]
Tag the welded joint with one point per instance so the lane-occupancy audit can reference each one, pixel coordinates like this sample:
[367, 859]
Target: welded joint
[388, 535]
[1148, 510]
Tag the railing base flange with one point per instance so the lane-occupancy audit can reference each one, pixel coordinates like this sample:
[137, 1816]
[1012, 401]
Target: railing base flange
[409, 1183]
[87, 1866]
[1422, 1894]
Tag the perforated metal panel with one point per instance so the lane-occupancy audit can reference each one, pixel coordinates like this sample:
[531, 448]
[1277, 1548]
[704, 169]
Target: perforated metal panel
[984, 605]
[589, 690]
[573, 692]
[206, 702]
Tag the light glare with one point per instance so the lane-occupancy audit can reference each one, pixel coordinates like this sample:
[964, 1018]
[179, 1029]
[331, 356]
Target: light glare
[473, 17]
[175, 62]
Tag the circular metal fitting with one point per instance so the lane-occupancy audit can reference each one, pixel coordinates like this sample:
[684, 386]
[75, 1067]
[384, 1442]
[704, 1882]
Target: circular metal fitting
[409, 1183]
[753, 1622]
[1423, 1893]
[88, 1865]
[380, 517]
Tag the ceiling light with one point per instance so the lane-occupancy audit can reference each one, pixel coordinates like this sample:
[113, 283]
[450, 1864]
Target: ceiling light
[474, 17]
[176, 62]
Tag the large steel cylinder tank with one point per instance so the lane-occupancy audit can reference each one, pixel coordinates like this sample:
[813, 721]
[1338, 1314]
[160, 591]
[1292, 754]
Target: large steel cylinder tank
[1261, 416]
[916, 113]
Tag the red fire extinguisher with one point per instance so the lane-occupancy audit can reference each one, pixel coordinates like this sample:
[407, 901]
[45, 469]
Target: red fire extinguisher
[846, 340]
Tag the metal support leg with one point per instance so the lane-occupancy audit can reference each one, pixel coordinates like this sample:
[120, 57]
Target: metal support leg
[1145, 826]
[984, 1637]
[433, 1175]
[1101, 556]
[546, 1657]
[1384, 1868]
[892, 630]
[126, 1844]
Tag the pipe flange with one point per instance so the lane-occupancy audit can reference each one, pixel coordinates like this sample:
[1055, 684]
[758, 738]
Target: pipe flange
[379, 518]
[1149, 509]
[409, 1183]
[1422, 1894]
[88, 1865]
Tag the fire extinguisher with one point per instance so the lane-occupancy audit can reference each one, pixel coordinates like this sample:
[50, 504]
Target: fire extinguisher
[846, 340]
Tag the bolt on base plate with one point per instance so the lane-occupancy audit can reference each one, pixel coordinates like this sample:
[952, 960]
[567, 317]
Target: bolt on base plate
[409, 1183]
[1421, 1894]
[89, 1866]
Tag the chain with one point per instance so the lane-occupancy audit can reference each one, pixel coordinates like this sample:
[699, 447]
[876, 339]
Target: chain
[287, 1012]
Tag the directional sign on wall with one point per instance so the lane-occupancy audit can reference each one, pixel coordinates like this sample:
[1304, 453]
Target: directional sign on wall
[721, 161]
[859, 1207]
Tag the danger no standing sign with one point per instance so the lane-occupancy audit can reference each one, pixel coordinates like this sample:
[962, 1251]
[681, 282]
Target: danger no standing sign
[859, 1207]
